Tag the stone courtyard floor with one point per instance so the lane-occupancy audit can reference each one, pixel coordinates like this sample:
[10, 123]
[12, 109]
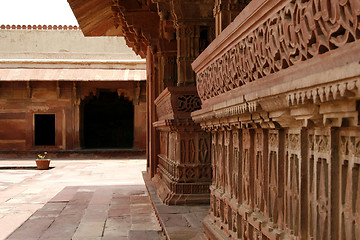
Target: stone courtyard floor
[76, 199]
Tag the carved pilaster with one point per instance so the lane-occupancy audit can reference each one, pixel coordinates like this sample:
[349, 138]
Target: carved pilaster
[349, 208]
[188, 44]
[184, 169]
[193, 22]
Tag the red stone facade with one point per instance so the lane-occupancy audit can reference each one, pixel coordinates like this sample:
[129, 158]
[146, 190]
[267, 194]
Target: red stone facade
[21, 101]
[61, 92]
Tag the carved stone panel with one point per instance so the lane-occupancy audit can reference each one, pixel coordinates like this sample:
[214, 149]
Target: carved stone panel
[247, 162]
[292, 179]
[214, 159]
[204, 148]
[228, 162]
[236, 170]
[319, 152]
[350, 184]
[260, 170]
[220, 168]
[275, 175]
[164, 143]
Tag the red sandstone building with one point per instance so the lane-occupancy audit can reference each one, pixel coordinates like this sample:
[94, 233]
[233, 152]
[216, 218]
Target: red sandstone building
[252, 106]
[60, 91]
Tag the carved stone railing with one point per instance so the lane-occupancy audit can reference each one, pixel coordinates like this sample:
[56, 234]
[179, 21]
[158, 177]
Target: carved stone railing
[280, 92]
[184, 170]
[290, 32]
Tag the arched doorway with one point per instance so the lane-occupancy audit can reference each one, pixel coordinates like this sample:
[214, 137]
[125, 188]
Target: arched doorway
[108, 121]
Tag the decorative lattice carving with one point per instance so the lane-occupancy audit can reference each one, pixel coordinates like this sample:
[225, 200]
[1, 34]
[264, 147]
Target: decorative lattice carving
[299, 31]
[188, 103]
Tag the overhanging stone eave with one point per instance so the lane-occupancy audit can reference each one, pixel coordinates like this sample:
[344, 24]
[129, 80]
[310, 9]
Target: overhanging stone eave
[89, 21]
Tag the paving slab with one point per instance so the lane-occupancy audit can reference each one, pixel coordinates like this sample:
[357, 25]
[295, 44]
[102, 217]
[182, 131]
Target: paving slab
[76, 199]
[178, 222]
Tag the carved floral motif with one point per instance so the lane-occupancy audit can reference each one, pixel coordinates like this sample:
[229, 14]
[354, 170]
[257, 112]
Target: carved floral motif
[188, 103]
[299, 31]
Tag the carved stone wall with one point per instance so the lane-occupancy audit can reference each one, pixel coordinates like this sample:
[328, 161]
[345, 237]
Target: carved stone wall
[184, 169]
[280, 97]
[299, 31]
[284, 183]
[20, 101]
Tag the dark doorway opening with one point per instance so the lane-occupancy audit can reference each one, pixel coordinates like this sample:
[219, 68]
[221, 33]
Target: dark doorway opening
[108, 121]
[44, 129]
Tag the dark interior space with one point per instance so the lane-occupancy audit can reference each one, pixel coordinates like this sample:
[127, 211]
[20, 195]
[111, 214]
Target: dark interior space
[45, 129]
[108, 121]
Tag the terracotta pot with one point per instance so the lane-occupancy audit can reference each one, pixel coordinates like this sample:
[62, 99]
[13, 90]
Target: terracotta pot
[42, 164]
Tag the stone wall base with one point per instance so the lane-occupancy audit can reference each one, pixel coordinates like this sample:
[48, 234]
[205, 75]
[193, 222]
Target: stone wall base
[212, 231]
[171, 197]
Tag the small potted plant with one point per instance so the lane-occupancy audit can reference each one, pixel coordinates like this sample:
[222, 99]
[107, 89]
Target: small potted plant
[42, 163]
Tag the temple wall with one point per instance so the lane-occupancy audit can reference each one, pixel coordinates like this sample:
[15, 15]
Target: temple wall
[20, 101]
[280, 97]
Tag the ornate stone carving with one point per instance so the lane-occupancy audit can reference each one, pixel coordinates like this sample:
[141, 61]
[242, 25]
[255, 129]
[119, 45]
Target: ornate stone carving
[246, 168]
[324, 93]
[184, 170]
[319, 185]
[260, 183]
[282, 41]
[177, 103]
[188, 103]
[349, 184]
[292, 182]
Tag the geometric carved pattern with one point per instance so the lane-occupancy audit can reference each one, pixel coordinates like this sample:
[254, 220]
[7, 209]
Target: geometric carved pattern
[246, 161]
[274, 203]
[350, 185]
[188, 103]
[260, 165]
[280, 187]
[184, 171]
[203, 150]
[187, 151]
[319, 180]
[299, 31]
[292, 183]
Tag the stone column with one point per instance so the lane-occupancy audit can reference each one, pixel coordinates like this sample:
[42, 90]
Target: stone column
[184, 169]
[187, 36]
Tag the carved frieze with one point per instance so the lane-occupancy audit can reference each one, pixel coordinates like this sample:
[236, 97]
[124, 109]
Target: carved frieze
[281, 41]
[324, 93]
